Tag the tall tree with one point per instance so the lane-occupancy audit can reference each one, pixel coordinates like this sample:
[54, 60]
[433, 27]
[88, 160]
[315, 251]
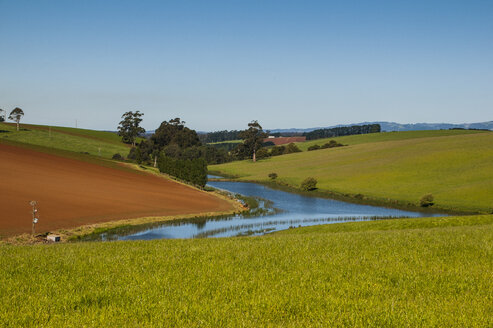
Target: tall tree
[2, 115]
[129, 128]
[174, 131]
[253, 139]
[15, 115]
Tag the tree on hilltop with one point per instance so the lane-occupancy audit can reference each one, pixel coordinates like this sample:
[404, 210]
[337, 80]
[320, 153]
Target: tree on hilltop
[129, 128]
[15, 115]
[2, 113]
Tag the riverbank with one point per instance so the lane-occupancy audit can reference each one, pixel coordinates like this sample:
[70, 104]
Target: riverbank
[455, 169]
[349, 198]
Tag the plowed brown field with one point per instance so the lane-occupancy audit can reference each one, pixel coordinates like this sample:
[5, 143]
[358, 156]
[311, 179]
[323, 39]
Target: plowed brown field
[72, 193]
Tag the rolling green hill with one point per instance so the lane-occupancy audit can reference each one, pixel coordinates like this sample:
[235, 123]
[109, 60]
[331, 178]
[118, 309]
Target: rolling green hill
[454, 166]
[385, 136]
[426, 272]
[98, 143]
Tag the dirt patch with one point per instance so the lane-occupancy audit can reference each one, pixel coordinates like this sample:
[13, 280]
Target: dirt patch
[72, 193]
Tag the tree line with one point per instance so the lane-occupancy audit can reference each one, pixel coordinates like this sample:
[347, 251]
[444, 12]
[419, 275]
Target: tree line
[342, 131]
[219, 136]
[193, 171]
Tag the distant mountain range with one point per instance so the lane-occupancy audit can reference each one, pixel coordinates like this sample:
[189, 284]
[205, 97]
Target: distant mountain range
[392, 126]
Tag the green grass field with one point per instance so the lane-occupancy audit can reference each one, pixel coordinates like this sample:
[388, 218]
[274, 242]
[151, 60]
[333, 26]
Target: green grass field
[431, 272]
[454, 166]
[98, 143]
[225, 142]
[385, 136]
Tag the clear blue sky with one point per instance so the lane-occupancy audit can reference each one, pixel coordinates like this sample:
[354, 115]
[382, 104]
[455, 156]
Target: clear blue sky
[220, 64]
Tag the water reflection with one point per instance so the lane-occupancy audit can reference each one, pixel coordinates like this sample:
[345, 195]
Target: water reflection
[295, 211]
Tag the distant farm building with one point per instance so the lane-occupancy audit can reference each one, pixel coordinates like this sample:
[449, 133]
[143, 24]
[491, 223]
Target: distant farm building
[284, 140]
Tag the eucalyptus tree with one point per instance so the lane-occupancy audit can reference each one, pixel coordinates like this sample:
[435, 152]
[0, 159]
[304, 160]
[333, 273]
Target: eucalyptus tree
[129, 128]
[253, 139]
[16, 115]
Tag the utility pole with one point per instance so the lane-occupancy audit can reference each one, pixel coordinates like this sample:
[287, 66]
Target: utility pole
[34, 204]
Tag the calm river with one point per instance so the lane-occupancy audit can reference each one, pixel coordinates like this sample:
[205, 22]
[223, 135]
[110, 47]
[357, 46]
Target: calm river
[286, 210]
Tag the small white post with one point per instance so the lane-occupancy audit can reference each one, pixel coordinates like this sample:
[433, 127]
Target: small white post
[34, 204]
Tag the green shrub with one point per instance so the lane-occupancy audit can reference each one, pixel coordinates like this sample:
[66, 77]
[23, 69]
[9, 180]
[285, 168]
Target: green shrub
[117, 157]
[309, 184]
[273, 175]
[313, 147]
[277, 150]
[332, 144]
[262, 153]
[292, 148]
[426, 200]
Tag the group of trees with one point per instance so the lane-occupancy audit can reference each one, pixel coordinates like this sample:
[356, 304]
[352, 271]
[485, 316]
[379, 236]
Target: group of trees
[193, 171]
[342, 131]
[173, 147]
[219, 136]
[277, 150]
[225, 135]
[178, 151]
[15, 115]
[175, 140]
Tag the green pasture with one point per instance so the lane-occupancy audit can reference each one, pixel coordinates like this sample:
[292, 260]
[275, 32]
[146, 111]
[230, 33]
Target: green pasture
[425, 272]
[385, 136]
[455, 166]
[226, 142]
[98, 143]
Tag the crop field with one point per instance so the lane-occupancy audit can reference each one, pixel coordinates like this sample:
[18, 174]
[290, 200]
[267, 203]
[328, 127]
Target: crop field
[454, 166]
[72, 193]
[427, 272]
[97, 143]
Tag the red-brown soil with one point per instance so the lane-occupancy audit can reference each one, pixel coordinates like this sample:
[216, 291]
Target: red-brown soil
[72, 193]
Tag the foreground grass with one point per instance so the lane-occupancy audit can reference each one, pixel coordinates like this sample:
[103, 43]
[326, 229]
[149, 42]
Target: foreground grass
[433, 272]
[99, 143]
[455, 168]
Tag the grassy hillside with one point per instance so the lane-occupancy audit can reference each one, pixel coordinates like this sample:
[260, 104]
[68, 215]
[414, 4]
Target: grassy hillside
[77, 140]
[432, 272]
[455, 168]
[386, 136]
